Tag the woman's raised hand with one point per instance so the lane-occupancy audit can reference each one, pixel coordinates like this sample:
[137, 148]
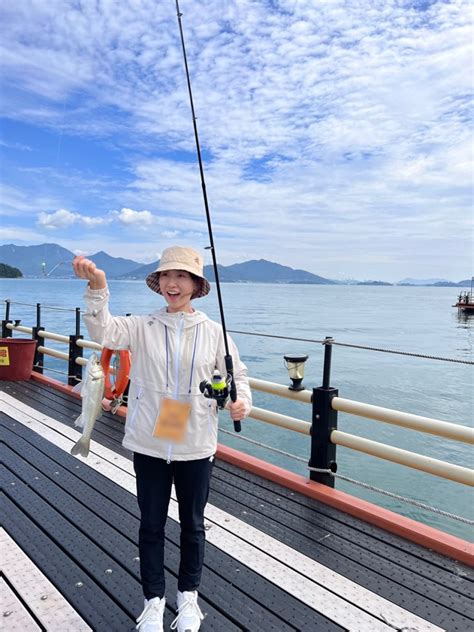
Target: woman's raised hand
[86, 269]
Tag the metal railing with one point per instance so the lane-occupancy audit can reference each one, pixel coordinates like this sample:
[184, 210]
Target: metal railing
[325, 403]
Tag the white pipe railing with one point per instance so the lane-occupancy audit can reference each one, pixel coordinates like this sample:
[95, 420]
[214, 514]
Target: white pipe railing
[403, 457]
[88, 344]
[406, 420]
[52, 352]
[21, 328]
[52, 336]
[279, 389]
[414, 422]
[269, 417]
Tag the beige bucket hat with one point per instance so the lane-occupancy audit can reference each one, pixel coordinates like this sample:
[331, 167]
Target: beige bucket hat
[180, 258]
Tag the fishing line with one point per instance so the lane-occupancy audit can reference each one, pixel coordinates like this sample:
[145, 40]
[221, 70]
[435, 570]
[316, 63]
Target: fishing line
[228, 357]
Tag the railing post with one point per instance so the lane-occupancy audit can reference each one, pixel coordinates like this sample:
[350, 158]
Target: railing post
[38, 362]
[324, 421]
[74, 372]
[6, 333]
[78, 321]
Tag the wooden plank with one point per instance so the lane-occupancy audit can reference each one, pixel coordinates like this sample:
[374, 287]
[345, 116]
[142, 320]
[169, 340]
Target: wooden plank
[94, 605]
[108, 428]
[47, 603]
[376, 538]
[388, 575]
[15, 617]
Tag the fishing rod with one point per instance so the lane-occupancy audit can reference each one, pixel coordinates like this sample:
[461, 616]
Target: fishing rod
[217, 389]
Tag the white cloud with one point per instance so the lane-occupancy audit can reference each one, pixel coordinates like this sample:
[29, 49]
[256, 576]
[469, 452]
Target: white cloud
[93, 222]
[59, 219]
[141, 218]
[64, 218]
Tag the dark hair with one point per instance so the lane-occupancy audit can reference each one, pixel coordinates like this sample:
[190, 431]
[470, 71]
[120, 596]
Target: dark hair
[198, 282]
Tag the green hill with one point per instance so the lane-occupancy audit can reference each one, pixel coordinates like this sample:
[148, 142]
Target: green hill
[9, 272]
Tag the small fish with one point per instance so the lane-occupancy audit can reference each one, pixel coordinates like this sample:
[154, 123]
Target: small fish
[92, 392]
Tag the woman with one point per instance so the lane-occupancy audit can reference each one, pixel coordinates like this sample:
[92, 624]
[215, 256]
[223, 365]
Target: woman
[171, 428]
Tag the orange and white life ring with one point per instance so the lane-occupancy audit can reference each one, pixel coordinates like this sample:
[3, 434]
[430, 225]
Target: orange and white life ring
[116, 390]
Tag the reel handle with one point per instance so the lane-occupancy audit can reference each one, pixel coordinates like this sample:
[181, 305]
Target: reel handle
[229, 365]
[233, 397]
[237, 424]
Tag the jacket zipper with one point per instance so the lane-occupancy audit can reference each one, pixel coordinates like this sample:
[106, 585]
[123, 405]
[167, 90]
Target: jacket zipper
[176, 375]
[177, 355]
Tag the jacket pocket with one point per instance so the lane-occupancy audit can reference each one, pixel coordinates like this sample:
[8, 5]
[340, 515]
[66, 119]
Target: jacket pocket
[133, 408]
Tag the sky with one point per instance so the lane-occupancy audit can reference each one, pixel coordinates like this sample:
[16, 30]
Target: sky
[336, 135]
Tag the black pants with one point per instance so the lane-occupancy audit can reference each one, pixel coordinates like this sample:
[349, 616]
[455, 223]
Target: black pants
[154, 478]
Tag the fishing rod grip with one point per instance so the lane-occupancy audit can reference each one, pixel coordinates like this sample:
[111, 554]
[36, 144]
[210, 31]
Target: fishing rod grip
[229, 365]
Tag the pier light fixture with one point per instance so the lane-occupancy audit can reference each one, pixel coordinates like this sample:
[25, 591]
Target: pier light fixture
[295, 366]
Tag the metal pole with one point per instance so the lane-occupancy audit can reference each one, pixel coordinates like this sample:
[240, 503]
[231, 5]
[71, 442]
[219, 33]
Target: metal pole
[6, 333]
[327, 361]
[38, 363]
[74, 371]
[324, 421]
[78, 321]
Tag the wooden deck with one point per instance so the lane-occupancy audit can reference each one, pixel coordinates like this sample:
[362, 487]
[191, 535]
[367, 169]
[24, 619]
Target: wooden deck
[275, 560]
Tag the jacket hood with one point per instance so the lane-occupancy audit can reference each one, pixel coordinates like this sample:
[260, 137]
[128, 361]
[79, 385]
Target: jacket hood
[173, 319]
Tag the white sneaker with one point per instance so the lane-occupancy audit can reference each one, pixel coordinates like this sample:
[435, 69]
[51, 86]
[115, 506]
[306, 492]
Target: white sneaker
[151, 619]
[189, 613]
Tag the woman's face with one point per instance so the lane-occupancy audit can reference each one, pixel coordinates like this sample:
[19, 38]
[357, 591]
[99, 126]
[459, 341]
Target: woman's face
[177, 286]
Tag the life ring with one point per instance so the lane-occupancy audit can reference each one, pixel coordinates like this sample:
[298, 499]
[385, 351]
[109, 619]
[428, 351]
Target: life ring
[116, 390]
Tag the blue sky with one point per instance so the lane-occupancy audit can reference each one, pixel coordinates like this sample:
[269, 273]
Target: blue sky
[336, 134]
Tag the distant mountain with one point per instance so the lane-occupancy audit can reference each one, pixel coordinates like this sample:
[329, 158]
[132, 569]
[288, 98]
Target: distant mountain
[434, 283]
[222, 270]
[420, 281]
[45, 260]
[141, 271]
[465, 283]
[52, 260]
[113, 266]
[263, 271]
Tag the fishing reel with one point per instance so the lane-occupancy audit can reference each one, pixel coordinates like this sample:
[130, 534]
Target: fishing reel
[217, 388]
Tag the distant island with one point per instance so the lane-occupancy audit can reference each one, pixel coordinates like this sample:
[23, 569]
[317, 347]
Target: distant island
[54, 261]
[8, 272]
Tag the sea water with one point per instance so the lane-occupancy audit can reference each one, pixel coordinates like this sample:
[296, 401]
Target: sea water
[408, 319]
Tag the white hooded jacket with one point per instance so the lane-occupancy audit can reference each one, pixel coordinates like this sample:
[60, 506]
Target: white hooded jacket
[171, 354]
